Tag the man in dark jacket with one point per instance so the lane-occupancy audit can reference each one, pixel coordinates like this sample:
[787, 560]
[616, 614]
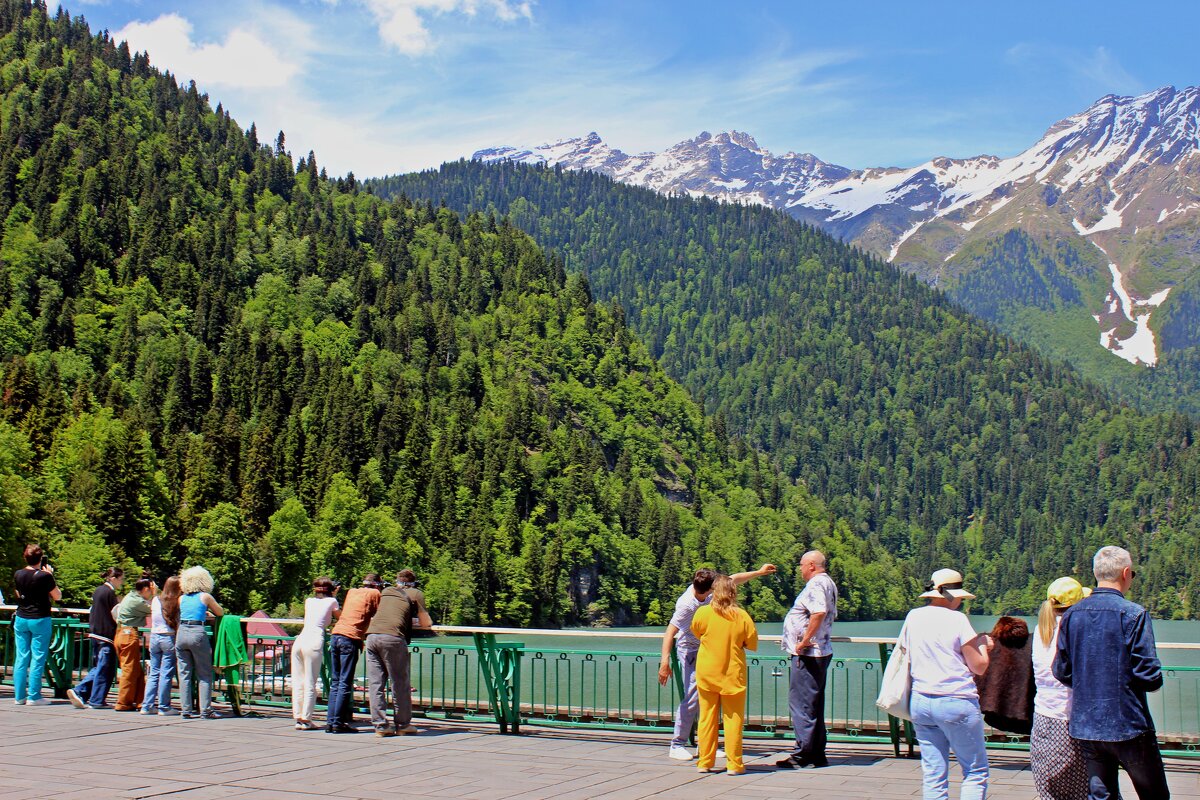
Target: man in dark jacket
[387, 653]
[1106, 655]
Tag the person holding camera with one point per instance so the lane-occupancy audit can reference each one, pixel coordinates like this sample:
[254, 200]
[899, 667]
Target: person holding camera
[131, 615]
[308, 650]
[388, 636]
[344, 645]
[32, 625]
[92, 691]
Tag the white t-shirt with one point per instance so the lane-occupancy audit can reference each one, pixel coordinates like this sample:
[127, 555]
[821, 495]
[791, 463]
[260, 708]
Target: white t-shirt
[1053, 699]
[158, 623]
[318, 613]
[936, 637]
[685, 608]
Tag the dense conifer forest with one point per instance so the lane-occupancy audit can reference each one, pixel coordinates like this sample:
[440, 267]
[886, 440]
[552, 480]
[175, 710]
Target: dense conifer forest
[211, 353]
[938, 437]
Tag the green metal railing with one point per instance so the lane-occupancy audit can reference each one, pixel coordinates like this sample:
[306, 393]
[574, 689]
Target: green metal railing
[469, 674]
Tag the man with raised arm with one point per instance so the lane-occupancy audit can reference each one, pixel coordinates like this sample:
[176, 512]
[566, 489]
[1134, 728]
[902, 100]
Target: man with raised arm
[806, 640]
[679, 633]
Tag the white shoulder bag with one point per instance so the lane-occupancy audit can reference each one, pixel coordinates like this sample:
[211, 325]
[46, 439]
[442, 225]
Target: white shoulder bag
[895, 689]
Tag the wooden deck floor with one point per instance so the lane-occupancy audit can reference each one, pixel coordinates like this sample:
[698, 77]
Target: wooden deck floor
[61, 752]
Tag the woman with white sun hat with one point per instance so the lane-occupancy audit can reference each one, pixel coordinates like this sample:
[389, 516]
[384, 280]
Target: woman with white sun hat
[944, 655]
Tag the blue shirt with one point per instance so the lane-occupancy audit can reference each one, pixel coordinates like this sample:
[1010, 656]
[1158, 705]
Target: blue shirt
[1106, 655]
[192, 607]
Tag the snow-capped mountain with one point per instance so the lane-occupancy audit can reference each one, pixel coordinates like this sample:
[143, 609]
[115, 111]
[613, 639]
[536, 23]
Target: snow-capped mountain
[1120, 181]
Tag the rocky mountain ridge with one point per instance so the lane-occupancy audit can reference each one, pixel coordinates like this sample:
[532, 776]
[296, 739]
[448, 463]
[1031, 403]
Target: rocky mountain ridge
[1119, 183]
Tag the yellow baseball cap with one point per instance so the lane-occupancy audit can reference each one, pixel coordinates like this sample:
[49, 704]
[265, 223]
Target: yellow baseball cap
[1066, 592]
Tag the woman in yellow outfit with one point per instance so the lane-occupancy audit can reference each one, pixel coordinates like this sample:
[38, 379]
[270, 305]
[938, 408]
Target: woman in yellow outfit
[725, 632]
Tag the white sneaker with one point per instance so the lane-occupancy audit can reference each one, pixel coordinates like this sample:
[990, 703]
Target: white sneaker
[680, 754]
[75, 699]
[18, 702]
[41, 701]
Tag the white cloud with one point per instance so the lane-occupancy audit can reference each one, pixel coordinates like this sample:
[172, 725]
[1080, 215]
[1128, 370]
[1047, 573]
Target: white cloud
[1097, 69]
[244, 60]
[402, 23]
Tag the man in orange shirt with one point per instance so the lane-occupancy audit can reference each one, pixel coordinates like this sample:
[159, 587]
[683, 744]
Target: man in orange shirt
[344, 645]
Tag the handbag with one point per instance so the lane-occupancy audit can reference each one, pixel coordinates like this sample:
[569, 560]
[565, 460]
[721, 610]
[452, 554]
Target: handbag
[895, 688]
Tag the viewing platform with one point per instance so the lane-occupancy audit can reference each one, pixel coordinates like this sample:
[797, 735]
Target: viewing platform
[61, 752]
[592, 720]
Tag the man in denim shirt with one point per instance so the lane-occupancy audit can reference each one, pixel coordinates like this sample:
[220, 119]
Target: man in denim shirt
[1107, 642]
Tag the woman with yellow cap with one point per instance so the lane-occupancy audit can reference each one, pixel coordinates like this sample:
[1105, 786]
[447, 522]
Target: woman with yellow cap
[1058, 768]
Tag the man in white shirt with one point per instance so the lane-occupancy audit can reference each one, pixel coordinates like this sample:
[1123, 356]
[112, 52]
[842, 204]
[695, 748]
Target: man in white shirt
[806, 639]
[679, 634]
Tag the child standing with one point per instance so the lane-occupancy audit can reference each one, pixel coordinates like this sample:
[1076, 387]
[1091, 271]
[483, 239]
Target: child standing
[725, 632]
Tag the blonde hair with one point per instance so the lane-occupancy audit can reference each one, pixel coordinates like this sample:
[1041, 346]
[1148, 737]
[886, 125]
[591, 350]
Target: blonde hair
[195, 579]
[724, 596]
[1047, 622]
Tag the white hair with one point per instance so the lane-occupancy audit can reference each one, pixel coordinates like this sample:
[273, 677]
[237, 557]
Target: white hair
[817, 558]
[1109, 562]
[195, 579]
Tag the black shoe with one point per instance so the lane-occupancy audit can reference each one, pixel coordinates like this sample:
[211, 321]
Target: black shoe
[791, 762]
[342, 727]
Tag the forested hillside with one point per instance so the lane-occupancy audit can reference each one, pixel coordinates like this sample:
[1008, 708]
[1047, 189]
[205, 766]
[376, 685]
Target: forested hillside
[940, 438]
[212, 354]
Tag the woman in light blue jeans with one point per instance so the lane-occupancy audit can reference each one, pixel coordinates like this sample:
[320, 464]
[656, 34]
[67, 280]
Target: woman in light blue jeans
[32, 626]
[192, 647]
[945, 654]
[164, 621]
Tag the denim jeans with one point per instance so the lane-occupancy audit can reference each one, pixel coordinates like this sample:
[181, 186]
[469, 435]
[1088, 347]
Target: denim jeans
[194, 653]
[806, 706]
[343, 658]
[1139, 756]
[93, 689]
[689, 704]
[33, 647]
[944, 724]
[162, 671]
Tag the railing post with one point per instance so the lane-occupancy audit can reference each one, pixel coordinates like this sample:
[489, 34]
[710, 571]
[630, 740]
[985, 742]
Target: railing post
[501, 666]
[61, 659]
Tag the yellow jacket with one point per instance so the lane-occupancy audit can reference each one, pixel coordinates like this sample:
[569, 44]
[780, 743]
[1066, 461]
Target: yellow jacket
[721, 660]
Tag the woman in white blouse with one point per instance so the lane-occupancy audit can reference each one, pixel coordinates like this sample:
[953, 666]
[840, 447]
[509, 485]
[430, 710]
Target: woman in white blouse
[308, 650]
[945, 654]
[1059, 772]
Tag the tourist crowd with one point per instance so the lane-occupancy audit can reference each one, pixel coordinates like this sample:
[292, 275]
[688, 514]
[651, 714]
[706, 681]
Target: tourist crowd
[375, 617]
[1077, 686]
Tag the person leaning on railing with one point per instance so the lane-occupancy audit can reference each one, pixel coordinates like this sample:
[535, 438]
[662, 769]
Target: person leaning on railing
[679, 635]
[131, 614]
[92, 691]
[308, 651]
[32, 625]
[192, 646]
[344, 644]
[387, 654]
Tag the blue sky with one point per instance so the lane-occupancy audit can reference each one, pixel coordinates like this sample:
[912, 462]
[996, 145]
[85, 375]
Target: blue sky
[382, 86]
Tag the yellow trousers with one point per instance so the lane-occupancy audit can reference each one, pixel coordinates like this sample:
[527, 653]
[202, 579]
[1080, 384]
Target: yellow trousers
[714, 709]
